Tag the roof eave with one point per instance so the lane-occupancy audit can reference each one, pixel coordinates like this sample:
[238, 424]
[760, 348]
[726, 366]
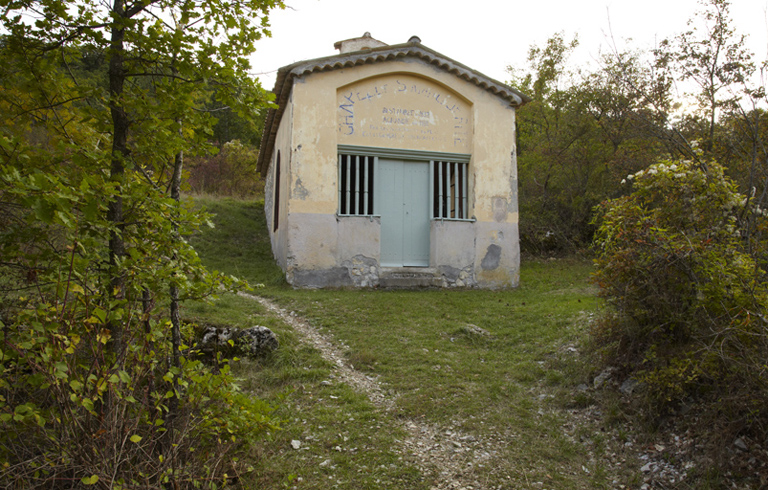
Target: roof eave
[286, 74]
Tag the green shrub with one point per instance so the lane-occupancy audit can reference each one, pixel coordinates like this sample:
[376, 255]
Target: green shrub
[687, 300]
[230, 172]
[90, 393]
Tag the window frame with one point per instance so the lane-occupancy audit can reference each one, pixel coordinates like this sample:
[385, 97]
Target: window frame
[461, 159]
[444, 203]
[363, 194]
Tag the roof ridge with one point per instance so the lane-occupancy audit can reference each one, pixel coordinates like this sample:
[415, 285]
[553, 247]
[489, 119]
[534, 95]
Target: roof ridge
[384, 53]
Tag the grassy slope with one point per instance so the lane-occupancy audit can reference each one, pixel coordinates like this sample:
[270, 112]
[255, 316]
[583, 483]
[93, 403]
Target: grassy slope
[510, 388]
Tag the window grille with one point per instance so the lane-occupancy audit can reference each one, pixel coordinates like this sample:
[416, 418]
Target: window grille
[449, 190]
[356, 173]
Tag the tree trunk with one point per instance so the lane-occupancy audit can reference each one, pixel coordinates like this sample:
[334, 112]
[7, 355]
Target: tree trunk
[120, 125]
[175, 316]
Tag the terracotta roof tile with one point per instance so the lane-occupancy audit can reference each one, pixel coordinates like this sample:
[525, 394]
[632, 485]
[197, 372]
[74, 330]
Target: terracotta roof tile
[286, 74]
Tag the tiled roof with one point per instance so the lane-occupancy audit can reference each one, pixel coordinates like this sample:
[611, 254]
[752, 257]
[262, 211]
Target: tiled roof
[286, 74]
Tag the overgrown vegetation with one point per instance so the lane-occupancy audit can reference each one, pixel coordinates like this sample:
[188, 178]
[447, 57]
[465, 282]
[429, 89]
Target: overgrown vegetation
[680, 235]
[100, 105]
[577, 139]
[687, 293]
[681, 258]
[103, 105]
[231, 172]
[588, 128]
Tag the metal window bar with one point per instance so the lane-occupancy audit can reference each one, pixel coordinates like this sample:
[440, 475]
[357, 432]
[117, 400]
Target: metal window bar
[348, 185]
[369, 164]
[464, 202]
[448, 185]
[356, 184]
[457, 186]
[374, 173]
[356, 201]
[432, 193]
[341, 184]
[447, 189]
[441, 189]
[364, 191]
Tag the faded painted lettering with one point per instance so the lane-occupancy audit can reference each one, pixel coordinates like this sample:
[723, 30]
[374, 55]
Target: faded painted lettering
[413, 111]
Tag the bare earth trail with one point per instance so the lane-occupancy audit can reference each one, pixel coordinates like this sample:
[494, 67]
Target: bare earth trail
[450, 457]
[436, 450]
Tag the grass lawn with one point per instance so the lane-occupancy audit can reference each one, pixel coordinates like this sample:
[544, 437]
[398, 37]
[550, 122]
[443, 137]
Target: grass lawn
[493, 372]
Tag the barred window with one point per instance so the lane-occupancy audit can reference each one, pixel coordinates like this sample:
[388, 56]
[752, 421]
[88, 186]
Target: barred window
[356, 174]
[449, 190]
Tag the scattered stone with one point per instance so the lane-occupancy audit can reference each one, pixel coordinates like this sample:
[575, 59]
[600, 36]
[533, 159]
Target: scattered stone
[254, 341]
[628, 386]
[474, 330]
[296, 444]
[602, 377]
[740, 444]
[647, 468]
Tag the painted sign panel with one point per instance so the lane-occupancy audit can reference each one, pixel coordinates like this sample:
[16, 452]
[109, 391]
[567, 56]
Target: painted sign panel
[404, 111]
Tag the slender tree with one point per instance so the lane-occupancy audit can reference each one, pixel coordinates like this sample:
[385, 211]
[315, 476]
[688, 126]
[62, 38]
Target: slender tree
[101, 102]
[712, 56]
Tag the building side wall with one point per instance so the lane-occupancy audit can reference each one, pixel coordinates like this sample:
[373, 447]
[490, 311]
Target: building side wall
[279, 238]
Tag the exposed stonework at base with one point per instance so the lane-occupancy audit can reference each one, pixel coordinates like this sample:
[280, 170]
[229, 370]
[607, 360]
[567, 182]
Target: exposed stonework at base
[363, 271]
[457, 278]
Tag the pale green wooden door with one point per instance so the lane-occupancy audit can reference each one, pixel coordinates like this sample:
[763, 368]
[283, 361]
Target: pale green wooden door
[403, 193]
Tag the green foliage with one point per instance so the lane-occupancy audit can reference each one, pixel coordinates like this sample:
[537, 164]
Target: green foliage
[576, 140]
[68, 407]
[687, 301]
[230, 126]
[712, 56]
[588, 128]
[100, 103]
[231, 172]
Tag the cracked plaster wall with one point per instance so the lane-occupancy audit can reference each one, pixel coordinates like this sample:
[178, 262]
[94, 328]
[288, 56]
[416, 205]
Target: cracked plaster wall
[319, 249]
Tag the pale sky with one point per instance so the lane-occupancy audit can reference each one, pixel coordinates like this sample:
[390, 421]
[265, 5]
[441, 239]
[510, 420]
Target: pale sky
[487, 35]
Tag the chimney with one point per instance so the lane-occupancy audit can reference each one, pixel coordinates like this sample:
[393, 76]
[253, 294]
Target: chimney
[358, 44]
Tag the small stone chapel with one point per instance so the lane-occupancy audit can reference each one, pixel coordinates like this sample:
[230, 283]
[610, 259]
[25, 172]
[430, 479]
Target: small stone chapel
[392, 166]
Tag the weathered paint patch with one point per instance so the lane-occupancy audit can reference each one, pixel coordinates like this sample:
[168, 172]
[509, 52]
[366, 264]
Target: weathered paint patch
[299, 191]
[497, 279]
[321, 278]
[405, 111]
[500, 209]
[492, 258]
